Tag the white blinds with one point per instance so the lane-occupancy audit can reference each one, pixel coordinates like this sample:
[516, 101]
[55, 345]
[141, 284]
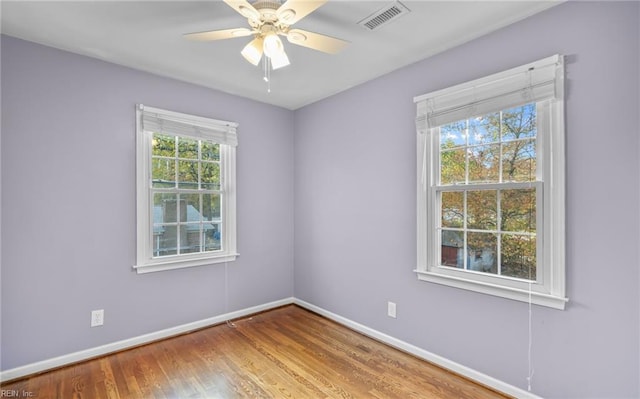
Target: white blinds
[533, 82]
[173, 123]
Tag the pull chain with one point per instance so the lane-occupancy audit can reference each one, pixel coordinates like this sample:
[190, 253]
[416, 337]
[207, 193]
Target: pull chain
[266, 62]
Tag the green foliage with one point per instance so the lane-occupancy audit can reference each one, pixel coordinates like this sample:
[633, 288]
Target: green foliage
[185, 163]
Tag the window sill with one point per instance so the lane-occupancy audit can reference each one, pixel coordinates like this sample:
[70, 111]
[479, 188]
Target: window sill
[181, 263]
[537, 298]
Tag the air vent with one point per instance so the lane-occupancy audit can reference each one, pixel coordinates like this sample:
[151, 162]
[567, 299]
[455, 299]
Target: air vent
[384, 15]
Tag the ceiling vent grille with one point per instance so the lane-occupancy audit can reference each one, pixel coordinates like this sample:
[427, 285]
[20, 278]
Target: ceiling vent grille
[384, 15]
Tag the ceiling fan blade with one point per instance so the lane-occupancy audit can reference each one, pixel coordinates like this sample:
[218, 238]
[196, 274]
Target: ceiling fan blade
[244, 8]
[293, 11]
[316, 41]
[219, 34]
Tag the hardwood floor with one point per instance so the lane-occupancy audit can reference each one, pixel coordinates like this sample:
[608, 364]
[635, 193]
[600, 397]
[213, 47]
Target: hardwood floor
[287, 352]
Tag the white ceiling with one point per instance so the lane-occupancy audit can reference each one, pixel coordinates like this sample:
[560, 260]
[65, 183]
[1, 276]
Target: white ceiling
[147, 35]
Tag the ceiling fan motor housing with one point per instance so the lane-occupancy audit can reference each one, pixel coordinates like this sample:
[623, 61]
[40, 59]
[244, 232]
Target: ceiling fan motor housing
[267, 9]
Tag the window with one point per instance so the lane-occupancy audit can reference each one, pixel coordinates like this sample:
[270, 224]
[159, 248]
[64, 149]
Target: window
[185, 190]
[491, 184]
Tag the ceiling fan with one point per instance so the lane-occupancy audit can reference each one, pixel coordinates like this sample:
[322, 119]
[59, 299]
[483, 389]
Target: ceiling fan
[269, 19]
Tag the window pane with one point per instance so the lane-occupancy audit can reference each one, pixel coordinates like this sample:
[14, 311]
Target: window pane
[482, 209]
[210, 151]
[452, 248]
[518, 254]
[519, 161]
[452, 168]
[192, 202]
[188, 174]
[187, 148]
[165, 208]
[212, 237]
[190, 238]
[190, 232]
[519, 122]
[453, 135]
[165, 240]
[452, 209]
[481, 252]
[518, 210]
[210, 175]
[164, 146]
[484, 129]
[484, 164]
[211, 207]
[163, 173]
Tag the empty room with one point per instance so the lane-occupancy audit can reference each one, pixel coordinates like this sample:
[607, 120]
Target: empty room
[320, 199]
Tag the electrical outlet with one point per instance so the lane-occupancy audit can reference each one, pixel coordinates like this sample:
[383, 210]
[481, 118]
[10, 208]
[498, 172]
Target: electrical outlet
[391, 309]
[97, 317]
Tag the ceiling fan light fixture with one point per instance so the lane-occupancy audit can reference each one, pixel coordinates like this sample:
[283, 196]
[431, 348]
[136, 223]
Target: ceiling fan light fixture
[279, 61]
[252, 52]
[272, 45]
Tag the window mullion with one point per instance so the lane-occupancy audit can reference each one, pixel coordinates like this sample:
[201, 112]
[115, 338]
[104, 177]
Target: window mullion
[201, 240]
[176, 164]
[500, 147]
[499, 231]
[179, 224]
[488, 186]
[464, 235]
[178, 196]
[466, 153]
[200, 200]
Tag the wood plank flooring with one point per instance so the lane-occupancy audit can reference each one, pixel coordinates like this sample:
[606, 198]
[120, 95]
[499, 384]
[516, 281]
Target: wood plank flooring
[287, 352]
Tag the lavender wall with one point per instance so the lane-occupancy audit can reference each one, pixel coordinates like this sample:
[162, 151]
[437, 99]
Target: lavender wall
[355, 210]
[68, 206]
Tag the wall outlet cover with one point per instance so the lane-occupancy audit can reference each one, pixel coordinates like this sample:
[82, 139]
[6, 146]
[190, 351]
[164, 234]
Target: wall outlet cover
[391, 309]
[97, 317]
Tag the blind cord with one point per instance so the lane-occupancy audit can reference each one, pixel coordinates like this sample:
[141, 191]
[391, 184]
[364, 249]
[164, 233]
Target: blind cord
[226, 294]
[531, 371]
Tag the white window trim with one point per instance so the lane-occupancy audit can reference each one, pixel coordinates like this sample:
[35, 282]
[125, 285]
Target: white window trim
[225, 134]
[492, 93]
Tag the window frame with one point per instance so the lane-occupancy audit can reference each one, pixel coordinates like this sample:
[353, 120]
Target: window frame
[549, 287]
[226, 137]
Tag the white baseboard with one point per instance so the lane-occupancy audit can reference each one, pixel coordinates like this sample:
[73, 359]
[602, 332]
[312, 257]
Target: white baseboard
[79, 356]
[75, 357]
[421, 353]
